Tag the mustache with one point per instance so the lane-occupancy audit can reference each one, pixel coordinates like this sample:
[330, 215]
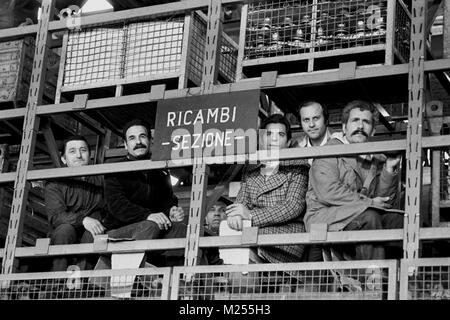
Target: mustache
[140, 146]
[360, 132]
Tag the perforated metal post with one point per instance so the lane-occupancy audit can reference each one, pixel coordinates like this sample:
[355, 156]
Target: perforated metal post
[4, 162]
[446, 34]
[414, 133]
[212, 47]
[30, 126]
[200, 170]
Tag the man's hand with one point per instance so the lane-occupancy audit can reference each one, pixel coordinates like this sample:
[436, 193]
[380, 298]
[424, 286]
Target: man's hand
[392, 162]
[160, 219]
[238, 209]
[381, 202]
[93, 226]
[235, 222]
[176, 214]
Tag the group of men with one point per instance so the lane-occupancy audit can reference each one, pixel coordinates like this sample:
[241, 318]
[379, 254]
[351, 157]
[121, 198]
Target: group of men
[137, 205]
[345, 192]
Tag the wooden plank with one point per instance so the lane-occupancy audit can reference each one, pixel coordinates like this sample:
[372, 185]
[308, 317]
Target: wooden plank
[115, 82]
[314, 55]
[18, 32]
[446, 34]
[390, 33]
[51, 143]
[62, 66]
[285, 154]
[236, 241]
[155, 11]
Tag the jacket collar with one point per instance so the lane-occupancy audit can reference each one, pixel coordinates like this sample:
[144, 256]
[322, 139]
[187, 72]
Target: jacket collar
[133, 158]
[304, 142]
[352, 161]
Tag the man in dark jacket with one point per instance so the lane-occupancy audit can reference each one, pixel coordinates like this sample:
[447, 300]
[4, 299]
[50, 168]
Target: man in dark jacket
[141, 204]
[74, 206]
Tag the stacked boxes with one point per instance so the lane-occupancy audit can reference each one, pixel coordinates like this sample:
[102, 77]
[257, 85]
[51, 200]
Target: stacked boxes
[16, 63]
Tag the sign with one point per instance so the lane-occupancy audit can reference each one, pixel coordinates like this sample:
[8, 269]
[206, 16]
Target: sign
[221, 124]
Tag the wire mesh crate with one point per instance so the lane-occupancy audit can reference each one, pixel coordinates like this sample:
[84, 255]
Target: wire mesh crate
[280, 31]
[94, 55]
[141, 51]
[135, 284]
[16, 64]
[425, 279]
[358, 280]
[153, 48]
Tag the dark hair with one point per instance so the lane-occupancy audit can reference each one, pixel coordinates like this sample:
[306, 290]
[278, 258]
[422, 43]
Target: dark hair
[310, 103]
[225, 200]
[361, 105]
[75, 137]
[278, 118]
[136, 122]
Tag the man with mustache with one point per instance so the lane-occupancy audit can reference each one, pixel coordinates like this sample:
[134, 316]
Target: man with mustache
[141, 204]
[352, 192]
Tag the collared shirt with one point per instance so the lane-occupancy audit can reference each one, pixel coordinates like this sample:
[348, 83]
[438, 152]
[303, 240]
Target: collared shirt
[306, 143]
[270, 168]
[325, 139]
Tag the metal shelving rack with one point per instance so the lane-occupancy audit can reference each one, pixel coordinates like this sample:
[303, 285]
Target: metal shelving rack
[416, 70]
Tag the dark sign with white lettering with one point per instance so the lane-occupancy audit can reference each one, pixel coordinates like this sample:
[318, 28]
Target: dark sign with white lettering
[220, 124]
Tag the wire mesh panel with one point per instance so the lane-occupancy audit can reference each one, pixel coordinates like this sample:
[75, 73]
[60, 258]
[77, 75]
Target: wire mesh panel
[94, 55]
[402, 31]
[359, 280]
[228, 59]
[228, 53]
[425, 279]
[197, 49]
[280, 28]
[138, 284]
[153, 48]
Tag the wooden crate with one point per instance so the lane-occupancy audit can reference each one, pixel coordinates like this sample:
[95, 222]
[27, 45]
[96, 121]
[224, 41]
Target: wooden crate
[305, 36]
[16, 62]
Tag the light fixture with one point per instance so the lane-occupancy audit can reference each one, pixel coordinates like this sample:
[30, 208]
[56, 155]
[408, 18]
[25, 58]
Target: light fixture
[174, 180]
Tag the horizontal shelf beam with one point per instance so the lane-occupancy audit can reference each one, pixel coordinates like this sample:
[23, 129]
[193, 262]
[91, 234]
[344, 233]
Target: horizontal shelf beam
[233, 242]
[112, 247]
[18, 32]
[295, 79]
[12, 114]
[154, 11]
[285, 154]
[437, 65]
